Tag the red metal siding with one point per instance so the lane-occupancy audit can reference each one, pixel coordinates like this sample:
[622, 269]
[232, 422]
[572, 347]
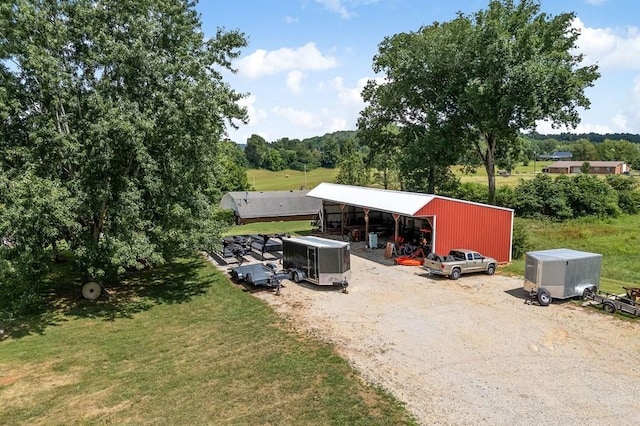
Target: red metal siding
[471, 226]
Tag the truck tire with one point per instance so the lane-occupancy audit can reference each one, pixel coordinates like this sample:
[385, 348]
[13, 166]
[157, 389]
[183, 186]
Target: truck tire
[455, 273]
[491, 269]
[609, 307]
[297, 276]
[544, 298]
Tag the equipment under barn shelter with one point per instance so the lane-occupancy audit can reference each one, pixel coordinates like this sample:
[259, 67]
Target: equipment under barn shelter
[561, 274]
[317, 260]
[440, 223]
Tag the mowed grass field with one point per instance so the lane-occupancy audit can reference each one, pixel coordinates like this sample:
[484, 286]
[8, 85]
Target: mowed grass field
[286, 180]
[177, 345]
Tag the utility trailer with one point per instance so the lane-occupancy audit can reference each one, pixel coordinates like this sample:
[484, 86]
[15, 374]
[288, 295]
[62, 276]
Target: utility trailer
[561, 274]
[259, 274]
[615, 302]
[317, 260]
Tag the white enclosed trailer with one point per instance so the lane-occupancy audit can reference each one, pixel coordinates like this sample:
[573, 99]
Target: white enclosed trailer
[561, 274]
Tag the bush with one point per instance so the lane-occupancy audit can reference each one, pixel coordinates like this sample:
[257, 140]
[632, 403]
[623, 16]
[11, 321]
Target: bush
[521, 243]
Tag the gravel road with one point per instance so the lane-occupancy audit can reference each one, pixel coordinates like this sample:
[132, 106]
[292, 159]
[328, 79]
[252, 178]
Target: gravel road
[471, 352]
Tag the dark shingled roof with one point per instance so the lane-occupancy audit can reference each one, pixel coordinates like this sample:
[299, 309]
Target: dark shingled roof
[252, 204]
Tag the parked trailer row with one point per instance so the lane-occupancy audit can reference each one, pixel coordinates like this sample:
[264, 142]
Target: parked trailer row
[316, 260]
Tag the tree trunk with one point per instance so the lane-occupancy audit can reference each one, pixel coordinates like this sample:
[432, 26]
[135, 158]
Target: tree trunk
[489, 165]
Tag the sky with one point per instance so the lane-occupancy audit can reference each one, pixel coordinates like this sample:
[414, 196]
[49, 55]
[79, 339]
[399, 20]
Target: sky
[307, 61]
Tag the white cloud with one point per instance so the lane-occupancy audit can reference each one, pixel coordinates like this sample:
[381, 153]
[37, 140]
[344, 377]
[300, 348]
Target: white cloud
[299, 118]
[621, 122]
[545, 128]
[336, 6]
[255, 115]
[262, 62]
[335, 124]
[610, 48]
[344, 8]
[294, 81]
[290, 20]
[595, 2]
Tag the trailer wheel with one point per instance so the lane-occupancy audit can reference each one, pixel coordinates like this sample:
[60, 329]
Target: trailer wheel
[296, 277]
[588, 293]
[609, 307]
[544, 298]
[491, 269]
[455, 273]
[249, 279]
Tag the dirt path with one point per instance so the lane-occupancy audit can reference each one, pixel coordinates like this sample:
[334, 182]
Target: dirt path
[470, 351]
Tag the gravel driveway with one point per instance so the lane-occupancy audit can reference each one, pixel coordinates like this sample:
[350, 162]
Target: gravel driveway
[471, 352]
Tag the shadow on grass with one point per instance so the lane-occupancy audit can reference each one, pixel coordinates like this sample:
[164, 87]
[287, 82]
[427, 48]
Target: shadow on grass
[138, 291]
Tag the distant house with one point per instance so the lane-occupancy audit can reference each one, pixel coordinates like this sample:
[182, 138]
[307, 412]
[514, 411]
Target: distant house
[269, 206]
[595, 167]
[556, 156]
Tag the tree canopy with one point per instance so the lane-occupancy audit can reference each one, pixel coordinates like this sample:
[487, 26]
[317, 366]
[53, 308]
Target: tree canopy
[111, 117]
[475, 82]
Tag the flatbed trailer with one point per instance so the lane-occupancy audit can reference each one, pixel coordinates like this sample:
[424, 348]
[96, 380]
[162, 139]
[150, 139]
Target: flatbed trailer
[611, 303]
[258, 274]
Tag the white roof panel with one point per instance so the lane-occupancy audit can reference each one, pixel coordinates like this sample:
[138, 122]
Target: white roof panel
[403, 203]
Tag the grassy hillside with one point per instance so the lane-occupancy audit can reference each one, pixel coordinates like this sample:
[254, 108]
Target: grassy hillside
[266, 180]
[286, 180]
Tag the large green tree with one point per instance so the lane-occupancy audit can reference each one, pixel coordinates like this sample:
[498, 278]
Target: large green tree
[111, 116]
[480, 79]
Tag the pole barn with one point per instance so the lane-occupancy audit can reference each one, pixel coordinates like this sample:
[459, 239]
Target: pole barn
[447, 223]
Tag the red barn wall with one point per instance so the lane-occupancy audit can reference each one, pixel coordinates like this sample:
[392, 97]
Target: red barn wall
[472, 226]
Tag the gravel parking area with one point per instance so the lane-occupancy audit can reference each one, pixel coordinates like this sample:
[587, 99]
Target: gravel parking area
[471, 352]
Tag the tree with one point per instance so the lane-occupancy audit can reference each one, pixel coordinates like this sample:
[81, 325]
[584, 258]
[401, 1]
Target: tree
[352, 169]
[583, 150]
[116, 109]
[256, 151]
[480, 79]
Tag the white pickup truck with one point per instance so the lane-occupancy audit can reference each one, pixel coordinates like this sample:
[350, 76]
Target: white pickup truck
[458, 262]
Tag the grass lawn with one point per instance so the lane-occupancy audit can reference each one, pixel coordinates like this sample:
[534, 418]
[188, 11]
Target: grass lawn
[298, 227]
[286, 180]
[177, 345]
[617, 239]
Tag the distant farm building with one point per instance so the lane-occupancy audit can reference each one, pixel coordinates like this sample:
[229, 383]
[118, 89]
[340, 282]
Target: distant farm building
[556, 156]
[270, 206]
[595, 167]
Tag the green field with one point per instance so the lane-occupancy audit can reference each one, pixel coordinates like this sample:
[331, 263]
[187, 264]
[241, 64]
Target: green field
[177, 345]
[266, 180]
[616, 239]
[287, 180]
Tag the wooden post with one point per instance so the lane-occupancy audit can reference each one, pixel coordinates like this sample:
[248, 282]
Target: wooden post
[366, 227]
[396, 217]
[342, 221]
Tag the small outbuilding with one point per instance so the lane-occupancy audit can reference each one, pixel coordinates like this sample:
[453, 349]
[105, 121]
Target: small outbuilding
[440, 223]
[269, 206]
[595, 167]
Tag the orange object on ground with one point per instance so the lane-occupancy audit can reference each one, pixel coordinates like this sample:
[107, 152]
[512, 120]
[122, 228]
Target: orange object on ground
[409, 261]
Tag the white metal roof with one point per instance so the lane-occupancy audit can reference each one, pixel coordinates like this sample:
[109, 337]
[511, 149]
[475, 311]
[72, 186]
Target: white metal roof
[384, 200]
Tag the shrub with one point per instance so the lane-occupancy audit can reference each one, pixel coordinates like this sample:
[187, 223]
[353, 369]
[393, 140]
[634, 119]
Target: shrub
[520, 244]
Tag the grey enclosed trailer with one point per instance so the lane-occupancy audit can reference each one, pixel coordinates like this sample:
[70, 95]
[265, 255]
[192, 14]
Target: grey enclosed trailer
[561, 274]
[317, 260]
